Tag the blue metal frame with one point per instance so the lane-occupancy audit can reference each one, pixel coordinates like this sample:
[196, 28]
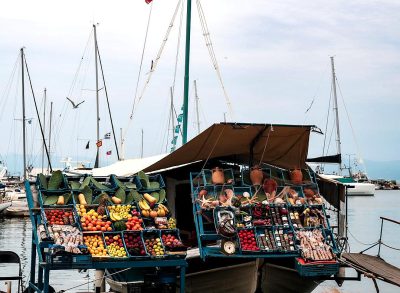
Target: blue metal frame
[44, 268]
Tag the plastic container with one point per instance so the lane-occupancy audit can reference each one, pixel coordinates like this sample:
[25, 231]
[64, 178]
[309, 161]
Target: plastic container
[107, 186]
[63, 186]
[317, 268]
[88, 226]
[266, 239]
[149, 237]
[127, 183]
[44, 194]
[173, 251]
[285, 240]
[243, 241]
[109, 246]
[67, 219]
[74, 182]
[261, 214]
[134, 251]
[280, 215]
[293, 190]
[153, 179]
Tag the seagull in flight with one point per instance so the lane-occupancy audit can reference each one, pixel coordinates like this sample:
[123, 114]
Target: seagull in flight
[73, 104]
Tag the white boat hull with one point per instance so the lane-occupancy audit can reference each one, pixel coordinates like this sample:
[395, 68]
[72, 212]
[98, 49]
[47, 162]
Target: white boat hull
[361, 189]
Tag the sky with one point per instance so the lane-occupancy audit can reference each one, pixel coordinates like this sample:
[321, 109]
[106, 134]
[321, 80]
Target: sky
[274, 59]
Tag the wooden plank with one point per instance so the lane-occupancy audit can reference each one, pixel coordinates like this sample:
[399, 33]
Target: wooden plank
[376, 266]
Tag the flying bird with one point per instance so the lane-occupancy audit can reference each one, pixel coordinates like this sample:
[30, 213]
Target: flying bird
[73, 104]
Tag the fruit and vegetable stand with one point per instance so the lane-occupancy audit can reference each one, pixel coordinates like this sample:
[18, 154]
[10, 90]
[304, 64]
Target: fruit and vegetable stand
[92, 223]
[264, 212]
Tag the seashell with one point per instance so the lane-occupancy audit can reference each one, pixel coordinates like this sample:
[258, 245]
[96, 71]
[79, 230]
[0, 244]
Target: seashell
[278, 200]
[246, 194]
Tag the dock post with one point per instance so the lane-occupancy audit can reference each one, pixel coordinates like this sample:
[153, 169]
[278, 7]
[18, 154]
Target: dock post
[99, 283]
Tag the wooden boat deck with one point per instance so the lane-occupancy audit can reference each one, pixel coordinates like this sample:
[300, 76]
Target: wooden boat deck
[375, 266]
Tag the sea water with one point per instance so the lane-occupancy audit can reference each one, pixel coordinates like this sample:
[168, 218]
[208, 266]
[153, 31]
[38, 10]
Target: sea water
[364, 228]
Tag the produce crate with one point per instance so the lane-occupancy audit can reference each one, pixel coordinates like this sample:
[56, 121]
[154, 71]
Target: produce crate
[171, 250]
[285, 235]
[99, 236]
[150, 235]
[87, 227]
[50, 198]
[40, 185]
[242, 242]
[129, 183]
[130, 248]
[108, 247]
[220, 189]
[261, 213]
[330, 240]
[317, 268]
[196, 180]
[279, 212]
[257, 190]
[240, 190]
[60, 259]
[155, 180]
[246, 175]
[74, 182]
[293, 189]
[266, 239]
[103, 184]
[207, 177]
[299, 223]
[69, 219]
[210, 192]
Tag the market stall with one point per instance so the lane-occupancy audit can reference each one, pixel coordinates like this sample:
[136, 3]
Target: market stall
[102, 223]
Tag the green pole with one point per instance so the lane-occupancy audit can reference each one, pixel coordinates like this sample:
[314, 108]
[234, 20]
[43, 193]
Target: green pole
[186, 80]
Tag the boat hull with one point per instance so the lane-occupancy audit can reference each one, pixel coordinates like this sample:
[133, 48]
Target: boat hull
[361, 189]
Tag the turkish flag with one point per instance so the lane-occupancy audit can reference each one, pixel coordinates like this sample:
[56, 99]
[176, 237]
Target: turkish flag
[148, 1]
[99, 143]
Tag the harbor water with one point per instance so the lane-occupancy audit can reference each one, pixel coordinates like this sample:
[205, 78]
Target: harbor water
[364, 228]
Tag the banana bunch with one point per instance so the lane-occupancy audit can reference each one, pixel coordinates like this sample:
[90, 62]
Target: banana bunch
[146, 210]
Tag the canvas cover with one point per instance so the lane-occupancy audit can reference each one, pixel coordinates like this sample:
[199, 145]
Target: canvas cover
[285, 146]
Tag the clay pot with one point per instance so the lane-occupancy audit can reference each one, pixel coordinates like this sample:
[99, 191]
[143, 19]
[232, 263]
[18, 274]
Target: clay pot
[256, 175]
[296, 176]
[270, 185]
[218, 176]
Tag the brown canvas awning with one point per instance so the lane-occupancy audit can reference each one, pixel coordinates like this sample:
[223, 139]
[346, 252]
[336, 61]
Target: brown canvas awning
[285, 146]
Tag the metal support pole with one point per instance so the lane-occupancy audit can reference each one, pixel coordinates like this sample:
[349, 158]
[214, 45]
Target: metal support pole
[380, 240]
[99, 283]
[46, 280]
[182, 279]
[33, 259]
[186, 78]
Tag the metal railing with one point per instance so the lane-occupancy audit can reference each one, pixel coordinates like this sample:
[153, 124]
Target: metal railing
[380, 236]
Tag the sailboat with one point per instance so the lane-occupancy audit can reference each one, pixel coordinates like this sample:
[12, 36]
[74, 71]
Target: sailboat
[358, 183]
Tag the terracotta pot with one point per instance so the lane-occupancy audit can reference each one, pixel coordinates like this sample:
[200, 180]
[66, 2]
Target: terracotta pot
[218, 176]
[296, 176]
[270, 185]
[256, 175]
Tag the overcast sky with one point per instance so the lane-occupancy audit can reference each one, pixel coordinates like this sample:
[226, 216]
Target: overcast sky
[273, 56]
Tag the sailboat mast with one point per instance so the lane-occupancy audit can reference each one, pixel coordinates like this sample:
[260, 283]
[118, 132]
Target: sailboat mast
[172, 112]
[51, 118]
[186, 79]
[97, 162]
[338, 143]
[197, 107]
[23, 115]
[44, 125]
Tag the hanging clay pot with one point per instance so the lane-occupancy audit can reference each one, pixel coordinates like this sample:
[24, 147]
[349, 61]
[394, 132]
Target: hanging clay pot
[270, 185]
[256, 175]
[296, 176]
[218, 176]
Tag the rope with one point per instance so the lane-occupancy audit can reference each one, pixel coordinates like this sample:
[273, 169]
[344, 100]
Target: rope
[177, 47]
[102, 278]
[391, 247]
[209, 45]
[155, 62]
[351, 125]
[141, 59]
[360, 242]
[7, 88]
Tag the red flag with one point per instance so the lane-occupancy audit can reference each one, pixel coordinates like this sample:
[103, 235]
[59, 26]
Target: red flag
[148, 1]
[99, 143]
[108, 153]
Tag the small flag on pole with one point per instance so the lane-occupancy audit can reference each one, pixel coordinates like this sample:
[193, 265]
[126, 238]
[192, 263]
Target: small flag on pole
[99, 143]
[107, 135]
[108, 153]
[87, 145]
[148, 1]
